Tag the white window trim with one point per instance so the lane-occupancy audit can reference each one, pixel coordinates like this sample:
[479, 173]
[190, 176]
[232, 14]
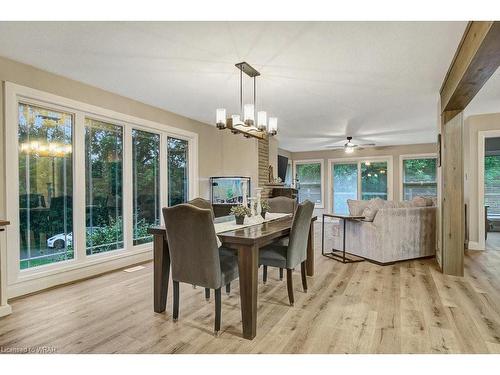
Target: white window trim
[29, 280]
[404, 157]
[359, 160]
[322, 177]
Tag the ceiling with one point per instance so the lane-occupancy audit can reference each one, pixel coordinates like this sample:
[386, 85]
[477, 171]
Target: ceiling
[375, 81]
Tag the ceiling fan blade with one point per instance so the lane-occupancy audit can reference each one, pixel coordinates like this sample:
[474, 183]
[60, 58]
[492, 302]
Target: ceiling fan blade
[335, 147]
[367, 144]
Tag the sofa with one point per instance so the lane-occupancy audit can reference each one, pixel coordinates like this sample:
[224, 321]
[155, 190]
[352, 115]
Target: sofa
[391, 231]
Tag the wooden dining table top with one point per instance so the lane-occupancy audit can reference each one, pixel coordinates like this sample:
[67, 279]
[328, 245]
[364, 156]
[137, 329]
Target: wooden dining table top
[259, 234]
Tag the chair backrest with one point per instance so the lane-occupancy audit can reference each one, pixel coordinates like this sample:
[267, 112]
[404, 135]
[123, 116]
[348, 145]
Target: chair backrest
[283, 205]
[192, 244]
[299, 234]
[202, 203]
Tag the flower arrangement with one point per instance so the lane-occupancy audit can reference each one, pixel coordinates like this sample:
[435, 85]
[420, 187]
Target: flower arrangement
[239, 213]
[264, 204]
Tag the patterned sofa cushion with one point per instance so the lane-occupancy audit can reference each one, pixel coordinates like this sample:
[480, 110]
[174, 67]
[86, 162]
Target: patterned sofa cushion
[356, 207]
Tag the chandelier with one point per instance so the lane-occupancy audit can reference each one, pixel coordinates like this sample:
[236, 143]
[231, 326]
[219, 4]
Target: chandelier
[248, 127]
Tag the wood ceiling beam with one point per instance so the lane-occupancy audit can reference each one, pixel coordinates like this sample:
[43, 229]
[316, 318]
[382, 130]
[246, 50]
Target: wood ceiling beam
[476, 59]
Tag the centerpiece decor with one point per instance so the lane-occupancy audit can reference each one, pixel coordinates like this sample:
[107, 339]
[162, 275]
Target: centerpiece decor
[264, 208]
[239, 213]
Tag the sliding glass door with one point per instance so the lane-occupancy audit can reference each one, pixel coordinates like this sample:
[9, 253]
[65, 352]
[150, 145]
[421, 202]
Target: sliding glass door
[45, 185]
[358, 179]
[345, 185]
[103, 191]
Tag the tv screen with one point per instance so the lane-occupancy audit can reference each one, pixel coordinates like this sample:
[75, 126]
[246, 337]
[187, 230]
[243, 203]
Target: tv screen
[282, 165]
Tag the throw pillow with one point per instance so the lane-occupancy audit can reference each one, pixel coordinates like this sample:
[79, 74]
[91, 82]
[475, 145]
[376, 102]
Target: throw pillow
[356, 207]
[373, 206]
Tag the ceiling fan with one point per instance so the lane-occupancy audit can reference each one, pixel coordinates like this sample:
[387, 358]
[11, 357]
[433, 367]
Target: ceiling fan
[349, 146]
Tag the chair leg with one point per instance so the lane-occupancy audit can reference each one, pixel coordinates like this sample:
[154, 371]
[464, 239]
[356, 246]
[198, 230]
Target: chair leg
[217, 311]
[303, 273]
[176, 301]
[289, 285]
[281, 273]
[264, 275]
[228, 288]
[207, 294]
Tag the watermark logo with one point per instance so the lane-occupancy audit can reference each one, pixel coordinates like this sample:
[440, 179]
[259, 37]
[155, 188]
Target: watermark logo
[28, 349]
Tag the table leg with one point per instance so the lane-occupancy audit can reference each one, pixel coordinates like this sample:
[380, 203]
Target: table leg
[343, 241]
[161, 272]
[310, 251]
[248, 263]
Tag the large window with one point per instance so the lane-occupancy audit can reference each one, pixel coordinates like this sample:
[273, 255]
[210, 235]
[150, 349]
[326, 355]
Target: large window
[45, 185]
[419, 177]
[146, 181]
[178, 173]
[103, 193]
[373, 180]
[309, 175]
[84, 185]
[358, 179]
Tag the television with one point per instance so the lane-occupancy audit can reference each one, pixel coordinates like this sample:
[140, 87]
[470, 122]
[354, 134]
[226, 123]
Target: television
[229, 190]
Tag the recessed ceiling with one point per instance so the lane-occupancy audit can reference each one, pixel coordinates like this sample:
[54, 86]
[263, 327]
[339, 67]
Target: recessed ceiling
[375, 81]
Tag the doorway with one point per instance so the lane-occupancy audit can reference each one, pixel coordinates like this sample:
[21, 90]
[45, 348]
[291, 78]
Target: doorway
[489, 189]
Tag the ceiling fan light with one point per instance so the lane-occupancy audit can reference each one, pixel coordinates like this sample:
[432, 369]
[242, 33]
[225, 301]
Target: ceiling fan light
[349, 149]
[220, 120]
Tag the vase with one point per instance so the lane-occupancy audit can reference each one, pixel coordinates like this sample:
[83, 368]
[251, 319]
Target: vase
[240, 220]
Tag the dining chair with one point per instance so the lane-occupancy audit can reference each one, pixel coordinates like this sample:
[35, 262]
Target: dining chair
[205, 204]
[294, 253]
[283, 205]
[195, 257]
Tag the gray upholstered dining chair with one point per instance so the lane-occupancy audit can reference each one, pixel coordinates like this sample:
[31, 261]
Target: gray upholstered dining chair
[282, 205]
[294, 253]
[205, 204]
[194, 254]
[202, 203]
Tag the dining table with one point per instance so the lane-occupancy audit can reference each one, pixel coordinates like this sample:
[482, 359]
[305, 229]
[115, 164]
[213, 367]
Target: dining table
[246, 242]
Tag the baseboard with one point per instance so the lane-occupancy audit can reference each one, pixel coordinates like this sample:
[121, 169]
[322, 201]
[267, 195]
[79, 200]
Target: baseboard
[5, 310]
[474, 245]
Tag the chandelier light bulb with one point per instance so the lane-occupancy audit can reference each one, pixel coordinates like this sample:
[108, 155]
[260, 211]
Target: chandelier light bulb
[221, 118]
[249, 114]
[262, 120]
[272, 126]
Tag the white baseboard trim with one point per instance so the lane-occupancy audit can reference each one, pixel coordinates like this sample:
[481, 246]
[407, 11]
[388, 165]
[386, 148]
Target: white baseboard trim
[38, 284]
[473, 245]
[5, 310]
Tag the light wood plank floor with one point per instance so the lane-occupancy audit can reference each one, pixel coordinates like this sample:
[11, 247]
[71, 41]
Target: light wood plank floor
[409, 307]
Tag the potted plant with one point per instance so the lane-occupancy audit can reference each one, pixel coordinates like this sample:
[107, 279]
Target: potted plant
[264, 205]
[239, 213]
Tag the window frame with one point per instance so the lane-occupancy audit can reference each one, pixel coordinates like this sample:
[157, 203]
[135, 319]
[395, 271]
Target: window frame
[20, 282]
[358, 160]
[404, 157]
[322, 177]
